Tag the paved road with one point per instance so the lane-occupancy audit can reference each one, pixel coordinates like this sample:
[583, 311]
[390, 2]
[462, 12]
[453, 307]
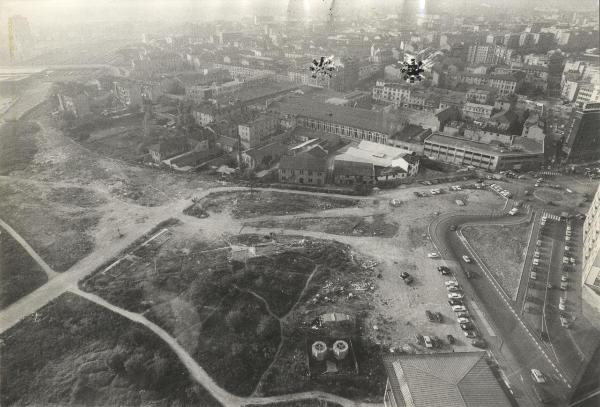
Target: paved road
[522, 351]
[47, 269]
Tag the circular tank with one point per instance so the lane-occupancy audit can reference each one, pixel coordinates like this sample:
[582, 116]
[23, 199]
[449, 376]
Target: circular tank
[340, 349]
[319, 350]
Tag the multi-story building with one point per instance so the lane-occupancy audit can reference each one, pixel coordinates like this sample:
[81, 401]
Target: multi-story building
[588, 93]
[488, 54]
[504, 84]
[128, 93]
[582, 138]
[477, 111]
[523, 154]
[480, 95]
[347, 122]
[591, 262]
[258, 131]
[404, 95]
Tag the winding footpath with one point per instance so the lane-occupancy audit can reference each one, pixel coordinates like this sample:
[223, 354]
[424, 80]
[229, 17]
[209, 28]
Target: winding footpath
[59, 283]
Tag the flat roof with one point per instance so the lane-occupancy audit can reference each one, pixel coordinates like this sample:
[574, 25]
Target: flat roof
[527, 146]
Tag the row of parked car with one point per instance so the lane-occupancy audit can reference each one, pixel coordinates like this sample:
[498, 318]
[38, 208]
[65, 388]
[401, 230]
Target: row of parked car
[501, 191]
[456, 299]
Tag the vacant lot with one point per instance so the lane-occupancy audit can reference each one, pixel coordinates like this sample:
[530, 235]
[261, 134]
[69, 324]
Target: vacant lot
[253, 204]
[375, 225]
[228, 305]
[17, 145]
[124, 141]
[503, 249]
[57, 223]
[73, 352]
[19, 273]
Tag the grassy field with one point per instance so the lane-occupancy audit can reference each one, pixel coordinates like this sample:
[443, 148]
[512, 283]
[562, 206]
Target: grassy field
[57, 223]
[73, 352]
[17, 145]
[375, 225]
[503, 249]
[253, 204]
[228, 310]
[19, 273]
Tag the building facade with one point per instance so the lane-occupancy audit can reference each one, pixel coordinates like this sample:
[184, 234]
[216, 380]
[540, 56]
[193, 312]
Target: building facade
[582, 141]
[591, 262]
[460, 151]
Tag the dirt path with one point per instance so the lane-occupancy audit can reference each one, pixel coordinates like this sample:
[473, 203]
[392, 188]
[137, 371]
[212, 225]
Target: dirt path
[202, 377]
[47, 269]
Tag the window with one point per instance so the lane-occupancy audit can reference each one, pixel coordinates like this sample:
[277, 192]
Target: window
[309, 173]
[301, 172]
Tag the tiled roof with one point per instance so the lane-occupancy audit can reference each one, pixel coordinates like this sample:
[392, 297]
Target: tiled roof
[458, 379]
[348, 116]
[303, 161]
[343, 167]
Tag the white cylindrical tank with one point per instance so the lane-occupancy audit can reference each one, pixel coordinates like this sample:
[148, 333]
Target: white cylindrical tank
[340, 349]
[319, 350]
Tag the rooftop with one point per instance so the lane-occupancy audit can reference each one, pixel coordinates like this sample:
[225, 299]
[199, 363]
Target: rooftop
[348, 116]
[458, 379]
[521, 145]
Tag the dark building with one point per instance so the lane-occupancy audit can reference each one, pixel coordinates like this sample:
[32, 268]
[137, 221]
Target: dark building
[582, 136]
[345, 77]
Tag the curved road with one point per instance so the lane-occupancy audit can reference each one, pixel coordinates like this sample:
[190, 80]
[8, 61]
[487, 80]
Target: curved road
[523, 350]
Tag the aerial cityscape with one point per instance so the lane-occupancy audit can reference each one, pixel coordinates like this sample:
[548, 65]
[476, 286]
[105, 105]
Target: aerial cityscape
[297, 203]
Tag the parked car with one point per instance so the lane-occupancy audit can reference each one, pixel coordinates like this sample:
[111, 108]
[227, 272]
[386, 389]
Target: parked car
[466, 326]
[572, 260]
[463, 320]
[439, 317]
[536, 262]
[470, 334]
[451, 283]
[454, 301]
[430, 316]
[565, 322]
[433, 255]
[459, 308]
[428, 342]
[533, 275]
[480, 343]
[455, 296]
[513, 211]
[395, 202]
[564, 278]
[453, 288]
[466, 258]
[464, 314]
[562, 306]
[564, 285]
[565, 260]
[538, 376]
[444, 270]
[450, 338]
[407, 278]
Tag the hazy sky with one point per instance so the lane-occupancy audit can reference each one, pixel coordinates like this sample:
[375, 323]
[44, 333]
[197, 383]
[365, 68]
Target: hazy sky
[40, 12]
